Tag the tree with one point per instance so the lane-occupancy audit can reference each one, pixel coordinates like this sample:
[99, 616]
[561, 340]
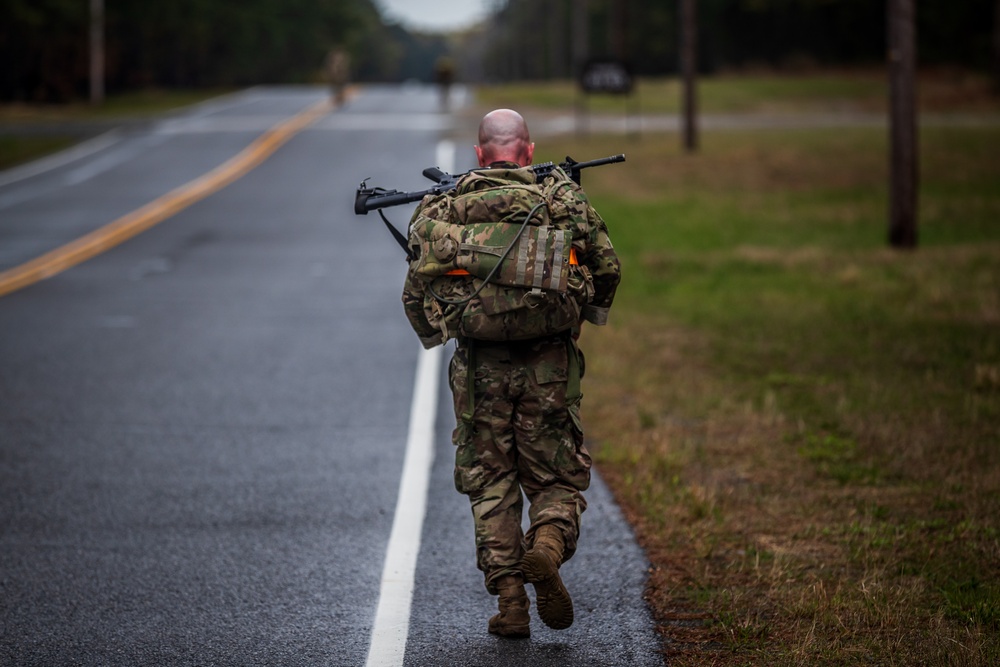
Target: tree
[903, 124]
[689, 67]
[996, 47]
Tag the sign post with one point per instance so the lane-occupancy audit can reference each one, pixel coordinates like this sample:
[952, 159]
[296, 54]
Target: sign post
[608, 76]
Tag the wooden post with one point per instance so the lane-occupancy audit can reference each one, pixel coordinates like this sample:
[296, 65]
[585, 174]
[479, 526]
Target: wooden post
[903, 168]
[581, 35]
[96, 51]
[619, 30]
[689, 55]
[996, 47]
[581, 51]
[556, 11]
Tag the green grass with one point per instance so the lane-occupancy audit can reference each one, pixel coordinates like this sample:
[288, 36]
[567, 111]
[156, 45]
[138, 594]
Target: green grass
[777, 381]
[715, 95]
[754, 93]
[128, 105]
[16, 148]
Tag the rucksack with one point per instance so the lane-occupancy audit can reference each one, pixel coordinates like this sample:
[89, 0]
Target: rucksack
[497, 255]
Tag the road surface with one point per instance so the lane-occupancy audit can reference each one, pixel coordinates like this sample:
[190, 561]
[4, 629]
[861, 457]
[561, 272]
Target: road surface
[203, 429]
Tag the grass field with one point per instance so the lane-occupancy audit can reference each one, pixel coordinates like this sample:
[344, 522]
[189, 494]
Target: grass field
[802, 424]
[133, 104]
[862, 91]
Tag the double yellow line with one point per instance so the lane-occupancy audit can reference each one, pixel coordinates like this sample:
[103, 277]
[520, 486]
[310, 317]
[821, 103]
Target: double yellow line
[158, 210]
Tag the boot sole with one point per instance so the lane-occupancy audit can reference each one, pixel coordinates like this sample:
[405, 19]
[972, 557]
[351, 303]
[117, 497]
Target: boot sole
[515, 632]
[555, 607]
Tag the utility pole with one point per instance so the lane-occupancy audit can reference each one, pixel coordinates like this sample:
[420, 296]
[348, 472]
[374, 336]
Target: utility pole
[581, 52]
[96, 51]
[903, 168]
[619, 30]
[556, 15]
[689, 68]
[581, 30]
[996, 47]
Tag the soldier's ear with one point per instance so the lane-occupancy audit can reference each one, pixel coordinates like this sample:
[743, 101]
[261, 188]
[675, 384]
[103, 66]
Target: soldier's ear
[479, 156]
[531, 153]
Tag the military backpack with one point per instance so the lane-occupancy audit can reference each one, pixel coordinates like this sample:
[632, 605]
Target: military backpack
[498, 256]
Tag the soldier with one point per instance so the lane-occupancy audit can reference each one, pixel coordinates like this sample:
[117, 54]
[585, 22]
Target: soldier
[515, 375]
[444, 75]
[338, 72]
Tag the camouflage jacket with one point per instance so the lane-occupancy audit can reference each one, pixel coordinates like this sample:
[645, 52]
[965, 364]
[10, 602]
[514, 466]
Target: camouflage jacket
[532, 290]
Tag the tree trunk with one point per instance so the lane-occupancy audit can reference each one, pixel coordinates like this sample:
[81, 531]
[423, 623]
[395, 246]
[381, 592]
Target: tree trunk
[903, 124]
[689, 54]
[96, 51]
[996, 47]
[581, 30]
[619, 30]
[555, 10]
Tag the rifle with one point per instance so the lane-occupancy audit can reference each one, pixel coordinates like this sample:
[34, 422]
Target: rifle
[371, 199]
[375, 199]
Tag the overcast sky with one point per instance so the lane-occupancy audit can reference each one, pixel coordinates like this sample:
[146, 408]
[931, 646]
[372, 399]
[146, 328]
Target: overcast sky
[436, 15]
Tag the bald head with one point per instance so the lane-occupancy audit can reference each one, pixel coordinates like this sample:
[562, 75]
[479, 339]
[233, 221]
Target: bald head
[503, 137]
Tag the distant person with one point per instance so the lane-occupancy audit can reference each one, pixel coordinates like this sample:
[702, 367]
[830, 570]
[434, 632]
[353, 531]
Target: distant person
[338, 73]
[515, 375]
[444, 76]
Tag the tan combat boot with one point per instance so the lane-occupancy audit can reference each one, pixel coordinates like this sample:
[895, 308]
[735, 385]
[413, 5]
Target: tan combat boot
[513, 619]
[541, 568]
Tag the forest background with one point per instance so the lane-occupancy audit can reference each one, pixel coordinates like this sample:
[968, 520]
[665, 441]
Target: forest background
[210, 43]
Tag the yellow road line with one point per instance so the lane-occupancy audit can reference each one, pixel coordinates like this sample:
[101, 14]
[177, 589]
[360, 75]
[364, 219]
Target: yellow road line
[158, 210]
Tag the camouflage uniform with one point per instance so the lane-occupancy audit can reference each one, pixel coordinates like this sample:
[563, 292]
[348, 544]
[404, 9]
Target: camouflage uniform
[519, 430]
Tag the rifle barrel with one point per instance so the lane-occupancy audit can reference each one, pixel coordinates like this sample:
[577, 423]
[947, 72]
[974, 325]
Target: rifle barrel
[371, 201]
[611, 159]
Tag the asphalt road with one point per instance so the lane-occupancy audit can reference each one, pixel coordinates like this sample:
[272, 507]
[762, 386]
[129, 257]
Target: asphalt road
[202, 429]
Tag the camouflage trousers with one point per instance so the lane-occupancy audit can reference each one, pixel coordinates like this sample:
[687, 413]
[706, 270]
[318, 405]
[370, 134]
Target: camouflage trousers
[524, 435]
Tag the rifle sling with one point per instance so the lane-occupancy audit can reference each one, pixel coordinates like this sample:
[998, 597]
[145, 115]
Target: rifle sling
[400, 239]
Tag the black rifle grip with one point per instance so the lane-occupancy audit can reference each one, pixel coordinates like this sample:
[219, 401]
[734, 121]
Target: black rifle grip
[435, 174]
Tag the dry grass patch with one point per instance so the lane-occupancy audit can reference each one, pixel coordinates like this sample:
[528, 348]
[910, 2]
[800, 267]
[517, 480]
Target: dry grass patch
[760, 555]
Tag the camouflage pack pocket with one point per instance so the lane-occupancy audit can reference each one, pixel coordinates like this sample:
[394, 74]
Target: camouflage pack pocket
[544, 314]
[518, 314]
[529, 257]
[434, 244]
[443, 316]
[497, 299]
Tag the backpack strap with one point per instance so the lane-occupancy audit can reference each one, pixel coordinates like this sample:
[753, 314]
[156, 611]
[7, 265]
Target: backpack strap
[470, 380]
[573, 391]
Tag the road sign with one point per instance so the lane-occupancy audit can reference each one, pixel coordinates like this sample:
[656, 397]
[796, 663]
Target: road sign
[606, 76]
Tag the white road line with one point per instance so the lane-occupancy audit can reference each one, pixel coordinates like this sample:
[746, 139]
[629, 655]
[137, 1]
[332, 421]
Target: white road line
[112, 159]
[446, 156]
[392, 616]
